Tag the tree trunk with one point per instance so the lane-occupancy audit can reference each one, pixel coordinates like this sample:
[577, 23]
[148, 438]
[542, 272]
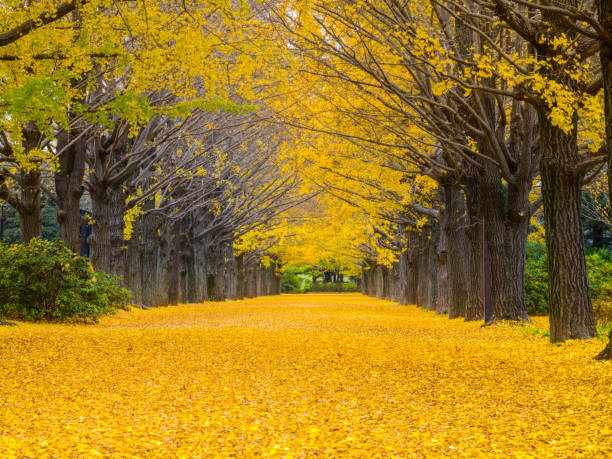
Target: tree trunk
[146, 240]
[100, 240]
[371, 284]
[69, 188]
[458, 249]
[163, 260]
[174, 266]
[571, 310]
[30, 210]
[402, 268]
[423, 272]
[604, 13]
[230, 272]
[379, 281]
[239, 263]
[395, 282]
[251, 280]
[443, 281]
[606, 354]
[133, 272]
[117, 242]
[201, 273]
[191, 276]
[219, 258]
[432, 273]
[505, 226]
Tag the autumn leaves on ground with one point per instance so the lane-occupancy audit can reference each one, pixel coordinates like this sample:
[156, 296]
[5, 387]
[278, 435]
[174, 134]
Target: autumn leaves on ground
[298, 376]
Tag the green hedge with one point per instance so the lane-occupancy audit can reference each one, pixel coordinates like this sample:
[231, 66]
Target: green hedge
[332, 287]
[599, 263]
[45, 281]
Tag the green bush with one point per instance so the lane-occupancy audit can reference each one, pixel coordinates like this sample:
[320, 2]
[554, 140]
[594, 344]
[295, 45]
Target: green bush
[290, 283]
[536, 280]
[45, 281]
[334, 287]
[599, 264]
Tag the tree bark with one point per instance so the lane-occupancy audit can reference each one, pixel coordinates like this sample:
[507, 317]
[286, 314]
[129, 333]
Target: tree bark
[505, 226]
[69, 187]
[606, 354]
[146, 239]
[604, 13]
[230, 272]
[100, 240]
[458, 249]
[30, 210]
[251, 280]
[571, 310]
[239, 263]
[443, 281]
[432, 264]
[219, 264]
[133, 277]
[117, 225]
[174, 266]
[423, 271]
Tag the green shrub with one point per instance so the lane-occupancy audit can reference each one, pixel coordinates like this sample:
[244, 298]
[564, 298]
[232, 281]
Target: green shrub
[599, 264]
[536, 280]
[45, 281]
[290, 283]
[334, 287]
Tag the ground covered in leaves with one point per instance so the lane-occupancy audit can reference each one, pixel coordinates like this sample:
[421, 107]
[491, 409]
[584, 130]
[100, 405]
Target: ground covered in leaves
[298, 375]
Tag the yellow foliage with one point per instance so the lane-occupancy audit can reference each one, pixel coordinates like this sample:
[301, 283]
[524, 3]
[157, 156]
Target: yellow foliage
[299, 376]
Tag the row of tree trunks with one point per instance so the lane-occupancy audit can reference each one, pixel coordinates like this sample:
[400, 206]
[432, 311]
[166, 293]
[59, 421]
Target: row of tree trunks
[164, 268]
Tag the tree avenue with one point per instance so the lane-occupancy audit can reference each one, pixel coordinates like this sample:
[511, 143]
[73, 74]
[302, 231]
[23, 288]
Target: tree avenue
[197, 150]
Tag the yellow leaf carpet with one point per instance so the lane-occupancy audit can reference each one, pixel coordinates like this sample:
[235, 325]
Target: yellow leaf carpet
[298, 376]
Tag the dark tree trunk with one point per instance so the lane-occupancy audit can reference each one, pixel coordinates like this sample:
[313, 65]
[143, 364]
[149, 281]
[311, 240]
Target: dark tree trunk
[191, 277]
[251, 280]
[147, 241]
[506, 235]
[458, 249]
[606, 354]
[388, 282]
[133, 278]
[278, 284]
[174, 266]
[402, 275]
[239, 263]
[69, 187]
[571, 310]
[219, 264]
[230, 272]
[379, 281]
[117, 225]
[100, 240]
[423, 271]
[432, 264]
[604, 11]
[201, 273]
[443, 281]
[258, 280]
[475, 304]
[163, 274]
[395, 282]
[371, 286]
[30, 210]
